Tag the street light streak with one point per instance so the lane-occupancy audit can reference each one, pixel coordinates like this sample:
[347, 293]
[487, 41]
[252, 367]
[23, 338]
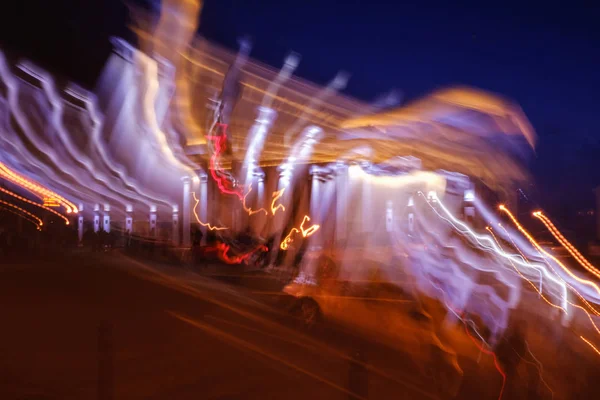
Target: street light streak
[205, 224]
[285, 244]
[539, 248]
[35, 204]
[34, 187]
[591, 345]
[566, 244]
[36, 218]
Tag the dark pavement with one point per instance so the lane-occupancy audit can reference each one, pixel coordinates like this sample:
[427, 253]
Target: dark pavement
[107, 327]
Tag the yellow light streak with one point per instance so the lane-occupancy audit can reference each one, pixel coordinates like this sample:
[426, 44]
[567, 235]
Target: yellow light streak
[35, 204]
[36, 218]
[566, 244]
[206, 224]
[541, 250]
[36, 188]
[285, 244]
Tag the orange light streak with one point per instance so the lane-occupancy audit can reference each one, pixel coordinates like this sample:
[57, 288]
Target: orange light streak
[540, 293]
[541, 250]
[523, 276]
[566, 244]
[249, 210]
[276, 196]
[40, 222]
[209, 226]
[34, 187]
[22, 216]
[285, 244]
[591, 345]
[35, 204]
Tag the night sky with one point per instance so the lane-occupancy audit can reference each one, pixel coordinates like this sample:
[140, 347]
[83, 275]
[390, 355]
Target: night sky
[545, 57]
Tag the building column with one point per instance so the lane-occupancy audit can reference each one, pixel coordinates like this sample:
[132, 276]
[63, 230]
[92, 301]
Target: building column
[80, 224]
[469, 206]
[203, 212]
[96, 218]
[367, 211]
[389, 216]
[185, 209]
[411, 214]
[106, 220]
[319, 197]
[341, 220]
[153, 232]
[129, 219]
[175, 236]
[260, 217]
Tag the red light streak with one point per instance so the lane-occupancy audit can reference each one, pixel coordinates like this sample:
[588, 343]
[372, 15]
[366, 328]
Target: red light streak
[224, 249]
[489, 352]
[224, 185]
[285, 244]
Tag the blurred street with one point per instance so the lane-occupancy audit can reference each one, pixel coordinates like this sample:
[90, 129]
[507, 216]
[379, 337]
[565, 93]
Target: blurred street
[99, 328]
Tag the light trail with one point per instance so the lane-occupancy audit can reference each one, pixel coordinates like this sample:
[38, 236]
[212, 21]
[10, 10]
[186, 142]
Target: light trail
[149, 104]
[205, 224]
[224, 249]
[566, 244]
[492, 245]
[26, 218]
[285, 244]
[276, 196]
[539, 291]
[249, 210]
[541, 250]
[591, 345]
[34, 187]
[220, 141]
[35, 204]
[36, 218]
[540, 368]
[495, 358]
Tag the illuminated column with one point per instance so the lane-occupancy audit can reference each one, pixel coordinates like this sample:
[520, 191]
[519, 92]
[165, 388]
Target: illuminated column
[411, 214]
[80, 223]
[153, 232]
[186, 199]
[260, 218]
[129, 219]
[96, 217]
[367, 217]
[341, 220]
[203, 205]
[389, 216]
[469, 207]
[316, 183]
[318, 199]
[285, 178]
[106, 221]
[326, 219]
[175, 225]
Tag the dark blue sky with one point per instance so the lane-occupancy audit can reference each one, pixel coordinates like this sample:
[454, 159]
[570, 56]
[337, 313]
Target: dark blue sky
[545, 56]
